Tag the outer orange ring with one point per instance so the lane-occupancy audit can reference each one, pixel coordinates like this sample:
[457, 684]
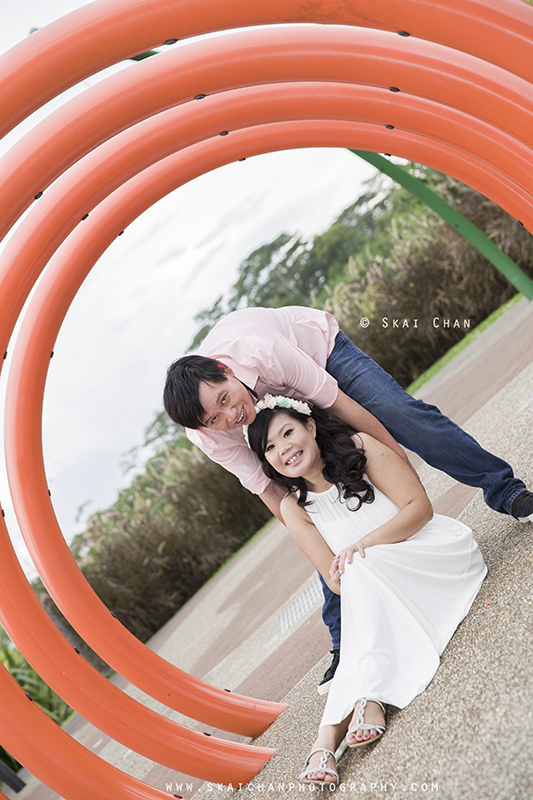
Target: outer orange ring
[302, 53]
[502, 87]
[105, 32]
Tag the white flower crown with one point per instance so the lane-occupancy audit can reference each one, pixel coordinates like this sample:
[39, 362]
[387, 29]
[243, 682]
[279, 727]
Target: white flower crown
[280, 401]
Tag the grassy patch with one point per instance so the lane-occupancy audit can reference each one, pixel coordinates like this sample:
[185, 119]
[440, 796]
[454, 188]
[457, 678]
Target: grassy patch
[468, 339]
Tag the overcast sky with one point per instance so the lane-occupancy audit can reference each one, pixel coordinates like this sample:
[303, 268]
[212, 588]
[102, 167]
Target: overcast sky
[135, 312]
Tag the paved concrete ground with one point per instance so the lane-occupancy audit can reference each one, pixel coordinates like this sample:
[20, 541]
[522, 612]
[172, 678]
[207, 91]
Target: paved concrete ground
[256, 629]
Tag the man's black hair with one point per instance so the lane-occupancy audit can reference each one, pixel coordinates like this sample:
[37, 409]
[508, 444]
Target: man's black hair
[180, 395]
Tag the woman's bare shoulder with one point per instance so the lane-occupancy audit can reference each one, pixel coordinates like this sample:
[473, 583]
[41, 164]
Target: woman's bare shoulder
[290, 501]
[290, 510]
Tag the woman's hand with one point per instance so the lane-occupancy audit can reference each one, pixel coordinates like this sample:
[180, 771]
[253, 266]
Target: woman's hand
[360, 546]
[345, 556]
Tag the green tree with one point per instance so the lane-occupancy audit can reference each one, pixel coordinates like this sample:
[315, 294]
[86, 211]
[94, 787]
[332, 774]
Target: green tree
[387, 254]
[427, 270]
[161, 432]
[292, 271]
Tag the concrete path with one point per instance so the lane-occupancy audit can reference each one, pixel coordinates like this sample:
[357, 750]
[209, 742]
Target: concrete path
[255, 628]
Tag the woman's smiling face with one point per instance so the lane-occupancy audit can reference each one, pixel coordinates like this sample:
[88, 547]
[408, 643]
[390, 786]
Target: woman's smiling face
[291, 446]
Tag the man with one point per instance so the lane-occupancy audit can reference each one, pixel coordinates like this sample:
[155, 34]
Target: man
[301, 352]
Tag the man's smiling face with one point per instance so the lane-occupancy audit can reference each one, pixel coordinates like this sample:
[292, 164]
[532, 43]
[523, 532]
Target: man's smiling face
[228, 405]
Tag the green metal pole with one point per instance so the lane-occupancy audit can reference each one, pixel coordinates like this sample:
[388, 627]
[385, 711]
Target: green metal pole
[471, 233]
[142, 56]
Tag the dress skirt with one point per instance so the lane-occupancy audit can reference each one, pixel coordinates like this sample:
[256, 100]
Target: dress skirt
[400, 604]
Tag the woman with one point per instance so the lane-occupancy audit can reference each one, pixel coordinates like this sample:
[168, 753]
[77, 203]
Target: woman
[406, 577]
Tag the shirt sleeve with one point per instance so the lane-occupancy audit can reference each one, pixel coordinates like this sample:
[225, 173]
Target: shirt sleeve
[291, 368]
[237, 458]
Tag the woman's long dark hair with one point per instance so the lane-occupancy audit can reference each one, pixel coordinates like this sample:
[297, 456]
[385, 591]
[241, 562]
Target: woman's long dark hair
[344, 462]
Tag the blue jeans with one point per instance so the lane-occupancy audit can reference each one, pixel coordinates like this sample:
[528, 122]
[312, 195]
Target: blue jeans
[421, 428]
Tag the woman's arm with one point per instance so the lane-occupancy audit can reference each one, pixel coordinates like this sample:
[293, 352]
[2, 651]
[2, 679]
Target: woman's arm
[393, 477]
[310, 541]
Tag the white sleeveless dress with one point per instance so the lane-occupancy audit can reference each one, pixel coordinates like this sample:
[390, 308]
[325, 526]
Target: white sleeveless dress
[400, 604]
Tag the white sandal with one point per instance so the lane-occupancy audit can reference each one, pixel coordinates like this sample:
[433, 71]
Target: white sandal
[322, 767]
[361, 725]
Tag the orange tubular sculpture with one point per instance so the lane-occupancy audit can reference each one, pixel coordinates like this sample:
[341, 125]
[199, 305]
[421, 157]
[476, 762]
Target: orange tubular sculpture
[464, 106]
[105, 32]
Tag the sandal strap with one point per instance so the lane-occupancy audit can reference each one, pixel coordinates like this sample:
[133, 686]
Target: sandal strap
[360, 724]
[365, 700]
[325, 755]
[322, 767]
[305, 774]
[365, 727]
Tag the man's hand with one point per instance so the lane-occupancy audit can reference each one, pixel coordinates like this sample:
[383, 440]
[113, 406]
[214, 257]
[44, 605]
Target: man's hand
[334, 581]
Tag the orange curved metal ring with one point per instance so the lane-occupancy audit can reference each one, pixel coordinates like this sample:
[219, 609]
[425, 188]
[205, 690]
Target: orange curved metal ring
[59, 286]
[56, 758]
[517, 128]
[154, 138]
[33, 506]
[303, 53]
[113, 711]
[105, 32]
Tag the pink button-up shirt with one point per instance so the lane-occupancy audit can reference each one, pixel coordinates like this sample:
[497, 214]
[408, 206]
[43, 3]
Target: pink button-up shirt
[271, 350]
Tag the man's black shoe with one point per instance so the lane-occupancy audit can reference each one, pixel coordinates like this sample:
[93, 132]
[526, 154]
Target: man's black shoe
[523, 507]
[325, 683]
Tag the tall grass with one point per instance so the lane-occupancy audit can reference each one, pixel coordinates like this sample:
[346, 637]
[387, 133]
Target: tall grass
[430, 274]
[178, 522]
